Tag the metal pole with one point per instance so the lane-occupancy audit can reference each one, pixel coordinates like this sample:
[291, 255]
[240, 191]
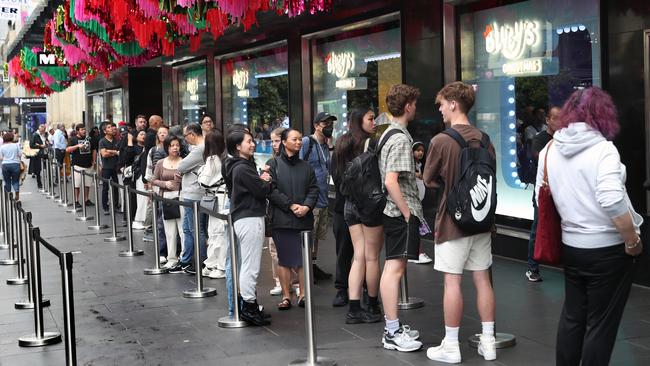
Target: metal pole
[68, 309]
[65, 202]
[312, 357]
[74, 208]
[46, 175]
[502, 340]
[82, 191]
[61, 180]
[20, 279]
[51, 193]
[3, 219]
[156, 270]
[199, 291]
[42, 175]
[233, 321]
[129, 230]
[11, 231]
[111, 202]
[40, 337]
[98, 225]
[405, 301]
[29, 303]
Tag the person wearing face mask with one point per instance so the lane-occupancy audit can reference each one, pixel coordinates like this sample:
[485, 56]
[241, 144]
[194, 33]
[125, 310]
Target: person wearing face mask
[316, 150]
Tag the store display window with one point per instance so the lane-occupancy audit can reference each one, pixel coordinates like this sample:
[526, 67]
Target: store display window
[114, 101]
[192, 92]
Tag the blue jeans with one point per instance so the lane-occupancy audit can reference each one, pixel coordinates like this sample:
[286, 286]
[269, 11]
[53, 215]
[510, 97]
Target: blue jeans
[188, 232]
[11, 176]
[532, 265]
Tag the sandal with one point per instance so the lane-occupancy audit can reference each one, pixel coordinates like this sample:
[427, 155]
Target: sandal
[285, 304]
[301, 302]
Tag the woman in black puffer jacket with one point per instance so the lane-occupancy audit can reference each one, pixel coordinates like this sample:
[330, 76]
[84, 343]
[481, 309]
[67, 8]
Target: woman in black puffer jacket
[293, 197]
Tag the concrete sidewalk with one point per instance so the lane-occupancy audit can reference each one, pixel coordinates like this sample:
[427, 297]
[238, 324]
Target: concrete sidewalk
[126, 318]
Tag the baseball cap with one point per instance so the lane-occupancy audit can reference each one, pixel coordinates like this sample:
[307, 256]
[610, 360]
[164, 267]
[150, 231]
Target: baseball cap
[323, 116]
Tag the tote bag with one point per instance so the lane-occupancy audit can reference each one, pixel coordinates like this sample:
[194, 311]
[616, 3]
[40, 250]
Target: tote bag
[548, 240]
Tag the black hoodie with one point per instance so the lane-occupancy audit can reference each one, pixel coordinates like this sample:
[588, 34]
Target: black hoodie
[246, 189]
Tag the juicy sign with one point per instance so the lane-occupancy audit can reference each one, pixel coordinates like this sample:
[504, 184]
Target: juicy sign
[512, 40]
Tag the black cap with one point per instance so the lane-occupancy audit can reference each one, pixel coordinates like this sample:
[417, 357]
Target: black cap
[323, 116]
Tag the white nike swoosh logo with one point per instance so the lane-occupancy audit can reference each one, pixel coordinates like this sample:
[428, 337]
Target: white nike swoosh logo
[480, 215]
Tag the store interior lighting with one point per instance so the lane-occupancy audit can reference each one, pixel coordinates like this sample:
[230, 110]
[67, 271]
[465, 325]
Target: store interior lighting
[271, 74]
[382, 57]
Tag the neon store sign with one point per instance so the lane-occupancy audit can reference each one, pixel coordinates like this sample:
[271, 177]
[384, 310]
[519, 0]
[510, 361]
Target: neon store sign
[340, 64]
[192, 87]
[512, 40]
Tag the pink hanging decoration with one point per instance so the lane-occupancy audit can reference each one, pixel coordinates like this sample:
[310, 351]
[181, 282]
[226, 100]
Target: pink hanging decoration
[195, 42]
[185, 3]
[184, 26]
[74, 55]
[49, 80]
[150, 8]
[234, 8]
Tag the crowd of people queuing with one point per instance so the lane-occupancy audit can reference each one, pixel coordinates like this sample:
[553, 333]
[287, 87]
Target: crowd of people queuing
[274, 203]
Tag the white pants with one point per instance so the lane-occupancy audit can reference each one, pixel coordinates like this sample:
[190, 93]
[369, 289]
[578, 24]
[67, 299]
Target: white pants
[217, 244]
[173, 228]
[250, 236]
[141, 202]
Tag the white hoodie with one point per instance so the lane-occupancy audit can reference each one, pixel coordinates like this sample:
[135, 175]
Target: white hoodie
[587, 181]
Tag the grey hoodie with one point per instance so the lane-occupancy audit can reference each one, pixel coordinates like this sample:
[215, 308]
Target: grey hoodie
[587, 181]
[189, 167]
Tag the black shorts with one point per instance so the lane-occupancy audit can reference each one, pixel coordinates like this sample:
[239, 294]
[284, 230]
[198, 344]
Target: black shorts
[59, 155]
[352, 216]
[401, 240]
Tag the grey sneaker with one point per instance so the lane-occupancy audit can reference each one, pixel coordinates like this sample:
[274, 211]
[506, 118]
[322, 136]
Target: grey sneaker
[534, 276]
[400, 341]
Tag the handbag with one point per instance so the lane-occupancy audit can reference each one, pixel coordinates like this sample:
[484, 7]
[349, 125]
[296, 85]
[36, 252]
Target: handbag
[548, 240]
[28, 152]
[171, 211]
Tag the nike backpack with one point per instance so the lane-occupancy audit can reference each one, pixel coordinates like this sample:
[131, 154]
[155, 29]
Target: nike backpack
[361, 182]
[472, 200]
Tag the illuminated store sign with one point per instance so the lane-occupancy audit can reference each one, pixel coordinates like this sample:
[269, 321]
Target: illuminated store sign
[512, 40]
[193, 88]
[528, 66]
[340, 64]
[352, 84]
[240, 79]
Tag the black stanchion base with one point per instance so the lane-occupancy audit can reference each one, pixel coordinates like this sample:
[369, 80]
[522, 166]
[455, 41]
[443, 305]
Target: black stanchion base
[230, 322]
[17, 281]
[84, 218]
[98, 227]
[155, 271]
[320, 361]
[503, 340]
[412, 303]
[35, 341]
[114, 239]
[26, 304]
[196, 294]
[128, 253]
[8, 262]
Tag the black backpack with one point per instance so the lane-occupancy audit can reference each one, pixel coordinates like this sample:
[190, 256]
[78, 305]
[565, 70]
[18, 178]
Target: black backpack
[361, 182]
[472, 200]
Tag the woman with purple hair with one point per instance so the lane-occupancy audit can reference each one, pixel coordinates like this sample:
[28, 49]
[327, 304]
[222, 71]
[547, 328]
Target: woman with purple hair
[600, 229]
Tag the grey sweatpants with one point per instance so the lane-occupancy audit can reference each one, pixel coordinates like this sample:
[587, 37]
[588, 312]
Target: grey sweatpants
[250, 237]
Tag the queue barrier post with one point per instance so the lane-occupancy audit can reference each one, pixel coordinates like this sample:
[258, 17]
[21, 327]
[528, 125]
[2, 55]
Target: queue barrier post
[312, 357]
[29, 303]
[82, 192]
[235, 320]
[50, 181]
[40, 337]
[65, 199]
[43, 176]
[61, 181]
[129, 230]
[68, 309]
[11, 232]
[98, 225]
[200, 291]
[3, 219]
[20, 278]
[53, 180]
[74, 208]
[156, 270]
[407, 302]
[111, 201]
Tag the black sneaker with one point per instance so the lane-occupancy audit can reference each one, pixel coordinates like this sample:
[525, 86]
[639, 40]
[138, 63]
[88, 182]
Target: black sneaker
[251, 313]
[319, 274]
[89, 204]
[178, 268]
[77, 204]
[375, 310]
[534, 276]
[189, 269]
[362, 316]
[106, 212]
[341, 298]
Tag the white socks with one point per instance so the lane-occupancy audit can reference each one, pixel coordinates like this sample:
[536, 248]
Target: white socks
[392, 326]
[488, 328]
[451, 334]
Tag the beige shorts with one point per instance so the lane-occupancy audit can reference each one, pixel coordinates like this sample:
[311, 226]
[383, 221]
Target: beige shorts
[472, 253]
[321, 219]
[77, 176]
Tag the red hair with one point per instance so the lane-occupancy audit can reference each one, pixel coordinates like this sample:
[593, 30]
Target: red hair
[594, 107]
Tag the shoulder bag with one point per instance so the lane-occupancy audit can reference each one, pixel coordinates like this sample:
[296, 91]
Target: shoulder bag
[171, 211]
[548, 240]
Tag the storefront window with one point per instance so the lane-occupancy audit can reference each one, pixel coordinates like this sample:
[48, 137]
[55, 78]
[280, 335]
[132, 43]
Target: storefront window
[114, 100]
[97, 109]
[355, 69]
[192, 92]
[524, 59]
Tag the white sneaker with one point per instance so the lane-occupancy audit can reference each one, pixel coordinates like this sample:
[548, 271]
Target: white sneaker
[171, 264]
[448, 352]
[205, 272]
[400, 341]
[276, 291]
[487, 347]
[217, 274]
[163, 259]
[137, 225]
[423, 258]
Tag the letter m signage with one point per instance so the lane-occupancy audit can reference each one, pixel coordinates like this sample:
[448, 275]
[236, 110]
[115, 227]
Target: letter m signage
[46, 59]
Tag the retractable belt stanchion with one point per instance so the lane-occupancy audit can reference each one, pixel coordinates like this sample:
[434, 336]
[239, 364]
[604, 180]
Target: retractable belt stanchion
[82, 192]
[11, 233]
[54, 177]
[200, 291]
[407, 302]
[68, 309]
[233, 321]
[40, 336]
[20, 278]
[156, 270]
[312, 358]
[61, 181]
[98, 225]
[3, 219]
[502, 340]
[74, 208]
[64, 201]
[29, 303]
[113, 238]
[50, 181]
[43, 186]
[129, 230]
